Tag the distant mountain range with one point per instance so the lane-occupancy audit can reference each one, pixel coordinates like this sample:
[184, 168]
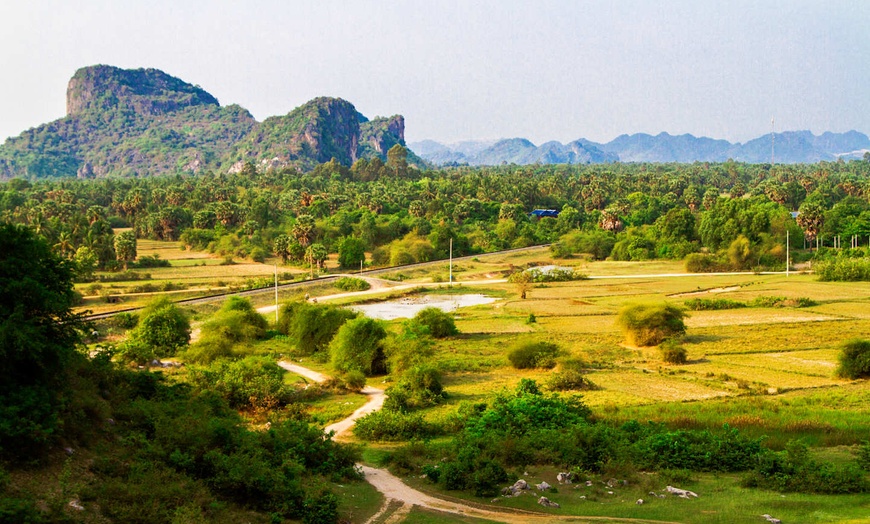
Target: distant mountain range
[142, 122]
[788, 147]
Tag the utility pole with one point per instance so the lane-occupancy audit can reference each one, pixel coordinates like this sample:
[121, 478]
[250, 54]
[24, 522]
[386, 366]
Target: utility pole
[786, 254]
[451, 262]
[276, 293]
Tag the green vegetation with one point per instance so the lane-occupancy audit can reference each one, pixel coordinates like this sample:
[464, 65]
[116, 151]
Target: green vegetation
[163, 329]
[359, 346]
[529, 355]
[651, 324]
[236, 322]
[439, 323]
[311, 327]
[855, 359]
[352, 284]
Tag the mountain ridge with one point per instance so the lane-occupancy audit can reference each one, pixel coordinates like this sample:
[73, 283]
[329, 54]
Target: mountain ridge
[788, 147]
[144, 122]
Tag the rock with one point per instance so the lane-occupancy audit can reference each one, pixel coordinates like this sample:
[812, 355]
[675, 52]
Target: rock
[155, 362]
[656, 495]
[543, 486]
[547, 503]
[610, 493]
[69, 451]
[564, 478]
[639, 502]
[520, 485]
[772, 520]
[583, 497]
[683, 493]
[76, 505]
[588, 482]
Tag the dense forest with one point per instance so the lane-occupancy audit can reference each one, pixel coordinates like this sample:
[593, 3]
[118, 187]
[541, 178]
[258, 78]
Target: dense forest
[727, 215]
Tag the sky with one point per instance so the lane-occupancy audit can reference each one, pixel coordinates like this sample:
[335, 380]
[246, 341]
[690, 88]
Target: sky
[469, 70]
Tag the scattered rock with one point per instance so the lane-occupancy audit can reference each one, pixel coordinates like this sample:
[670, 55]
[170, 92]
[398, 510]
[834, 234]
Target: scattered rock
[656, 495]
[564, 478]
[610, 493]
[547, 503]
[588, 482]
[639, 502]
[76, 505]
[683, 493]
[69, 451]
[583, 497]
[772, 520]
[543, 486]
[518, 488]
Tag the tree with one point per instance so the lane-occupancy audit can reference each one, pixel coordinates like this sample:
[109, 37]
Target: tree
[359, 346]
[440, 323]
[38, 337]
[523, 282]
[163, 329]
[740, 253]
[311, 327]
[303, 229]
[316, 255]
[651, 324]
[397, 160]
[125, 247]
[86, 263]
[351, 253]
[281, 246]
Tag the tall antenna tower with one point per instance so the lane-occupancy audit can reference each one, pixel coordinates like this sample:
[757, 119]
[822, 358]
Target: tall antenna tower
[772, 142]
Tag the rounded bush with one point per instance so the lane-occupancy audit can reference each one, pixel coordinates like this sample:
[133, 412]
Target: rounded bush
[651, 324]
[855, 359]
[673, 352]
[440, 323]
[529, 355]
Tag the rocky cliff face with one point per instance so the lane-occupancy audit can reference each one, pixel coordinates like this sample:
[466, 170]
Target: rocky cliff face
[145, 122]
[144, 91]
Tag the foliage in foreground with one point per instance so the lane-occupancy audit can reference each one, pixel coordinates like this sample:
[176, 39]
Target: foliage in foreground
[528, 428]
[38, 335]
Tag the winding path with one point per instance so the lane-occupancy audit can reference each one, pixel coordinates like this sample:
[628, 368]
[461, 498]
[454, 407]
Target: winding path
[396, 491]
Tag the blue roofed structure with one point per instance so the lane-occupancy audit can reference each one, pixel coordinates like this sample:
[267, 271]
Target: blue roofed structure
[540, 213]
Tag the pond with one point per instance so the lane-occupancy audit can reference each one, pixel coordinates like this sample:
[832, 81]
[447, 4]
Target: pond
[409, 306]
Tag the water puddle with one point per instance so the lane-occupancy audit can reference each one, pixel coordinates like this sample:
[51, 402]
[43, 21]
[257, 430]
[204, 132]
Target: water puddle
[409, 306]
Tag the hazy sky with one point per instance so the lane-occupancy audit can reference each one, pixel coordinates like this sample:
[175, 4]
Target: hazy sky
[544, 70]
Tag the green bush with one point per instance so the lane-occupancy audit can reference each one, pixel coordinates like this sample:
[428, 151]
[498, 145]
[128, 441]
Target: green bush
[247, 383]
[440, 323]
[793, 470]
[359, 346]
[712, 304]
[311, 327]
[237, 321]
[705, 263]
[163, 328]
[352, 284]
[673, 352]
[843, 270]
[773, 301]
[392, 426]
[530, 355]
[125, 320]
[570, 376]
[419, 387]
[855, 359]
[725, 450]
[651, 324]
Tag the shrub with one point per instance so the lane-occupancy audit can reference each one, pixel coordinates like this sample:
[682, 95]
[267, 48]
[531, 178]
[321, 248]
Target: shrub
[843, 270]
[712, 304]
[793, 470]
[855, 359]
[311, 327]
[163, 329]
[705, 263]
[440, 323]
[246, 383]
[529, 355]
[651, 324]
[391, 426]
[570, 377]
[352, 284]
[125, 320]
[359, 346]
[772, 301]
[673, 352]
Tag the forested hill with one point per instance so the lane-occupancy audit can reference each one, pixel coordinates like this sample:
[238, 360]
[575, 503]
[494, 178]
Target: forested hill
[144, 122]
[791, 147]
